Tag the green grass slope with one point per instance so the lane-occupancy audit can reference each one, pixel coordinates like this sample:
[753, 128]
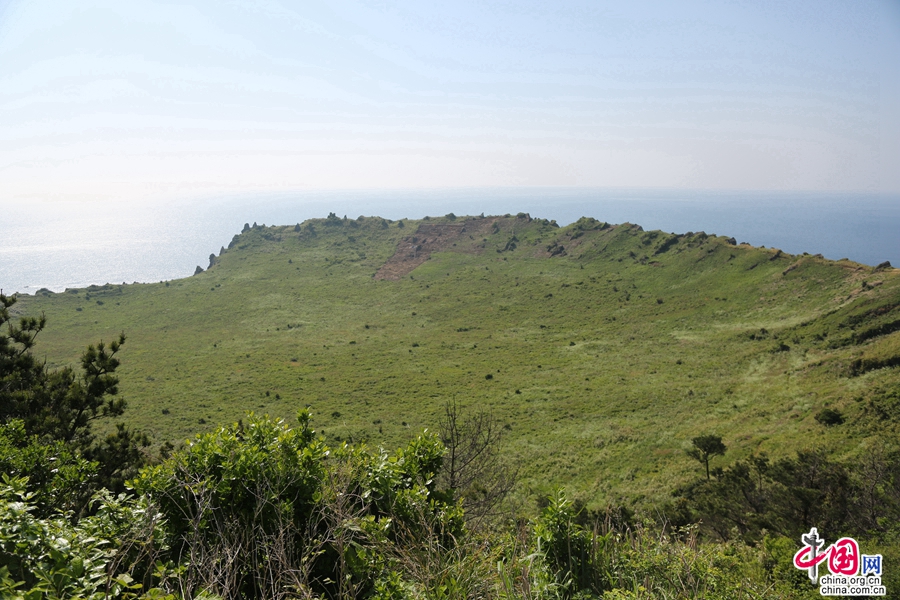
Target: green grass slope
[603, 349]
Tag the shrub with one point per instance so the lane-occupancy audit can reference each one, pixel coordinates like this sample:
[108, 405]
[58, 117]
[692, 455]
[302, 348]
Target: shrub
[574, 554]
[58, 476]
[112, 554]
[258, 508]
[829, 417]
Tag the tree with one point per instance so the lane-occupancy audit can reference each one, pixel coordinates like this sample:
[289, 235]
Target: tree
[17, 365]
[55, 403]
[59, 406]
[705, 447]
[472, 466]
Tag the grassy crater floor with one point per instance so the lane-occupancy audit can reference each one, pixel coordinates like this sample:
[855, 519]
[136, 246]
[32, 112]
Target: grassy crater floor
[602, 349]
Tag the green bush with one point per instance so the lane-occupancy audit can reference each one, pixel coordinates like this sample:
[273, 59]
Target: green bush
[576, 555]
[829, 417]
[57, 476]
[257, 508]
[111, 554]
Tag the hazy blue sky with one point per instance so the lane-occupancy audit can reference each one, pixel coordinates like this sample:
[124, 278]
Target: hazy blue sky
[138, 99]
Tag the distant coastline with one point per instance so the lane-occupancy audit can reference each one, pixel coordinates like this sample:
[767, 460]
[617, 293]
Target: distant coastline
[74, 247]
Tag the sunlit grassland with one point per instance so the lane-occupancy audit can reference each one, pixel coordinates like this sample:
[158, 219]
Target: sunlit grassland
[601, 362]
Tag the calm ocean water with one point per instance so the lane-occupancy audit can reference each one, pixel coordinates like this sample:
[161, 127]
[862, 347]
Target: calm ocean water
[58, 246]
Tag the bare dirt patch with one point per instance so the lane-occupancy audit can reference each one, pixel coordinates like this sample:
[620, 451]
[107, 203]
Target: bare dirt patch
[413, 250]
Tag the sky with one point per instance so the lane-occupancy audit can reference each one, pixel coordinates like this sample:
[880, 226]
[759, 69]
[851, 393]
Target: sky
[130, 101]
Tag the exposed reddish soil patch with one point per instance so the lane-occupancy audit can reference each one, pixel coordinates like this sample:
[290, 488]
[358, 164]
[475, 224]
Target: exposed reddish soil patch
[414, 249]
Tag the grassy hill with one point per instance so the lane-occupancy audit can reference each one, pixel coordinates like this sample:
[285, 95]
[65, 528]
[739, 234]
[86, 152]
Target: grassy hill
[603, 349]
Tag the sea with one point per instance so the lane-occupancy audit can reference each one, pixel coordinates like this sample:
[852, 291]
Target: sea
[59, 245]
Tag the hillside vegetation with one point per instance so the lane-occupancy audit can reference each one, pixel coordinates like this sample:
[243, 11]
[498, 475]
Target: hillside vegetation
[603, 350]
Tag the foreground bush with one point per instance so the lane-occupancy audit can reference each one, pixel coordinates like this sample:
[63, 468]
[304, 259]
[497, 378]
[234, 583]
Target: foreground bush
[262, 510]
[95, 558]
[259, 509]
[566, 559]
